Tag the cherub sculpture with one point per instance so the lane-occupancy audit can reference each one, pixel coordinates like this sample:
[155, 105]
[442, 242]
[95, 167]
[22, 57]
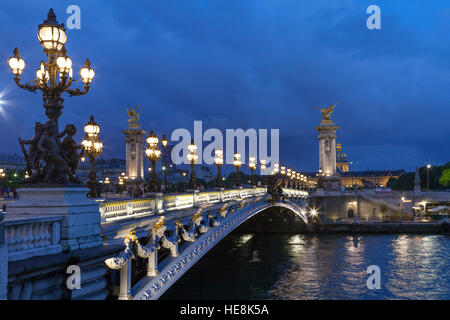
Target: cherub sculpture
[33, 157]
[70, 147]
[56, 168]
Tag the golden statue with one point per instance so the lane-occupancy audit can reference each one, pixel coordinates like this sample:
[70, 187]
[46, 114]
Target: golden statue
[133, 121]
[326, 113]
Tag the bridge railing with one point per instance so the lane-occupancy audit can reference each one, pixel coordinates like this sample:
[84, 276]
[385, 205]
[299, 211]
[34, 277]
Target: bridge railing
[158, 203]
[33, 236]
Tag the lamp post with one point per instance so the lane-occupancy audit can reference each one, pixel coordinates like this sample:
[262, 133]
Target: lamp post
[192, 157]
[107, 185]
[289, 174]
[218, 161]
[153, 154]
[283, 173]
[252, 166]
[263, 171]
[53, 78]
[428, 176]
[351, 171]
[83, 159]
[52, 36]
[93, 148]
[164, 143]
[237, 164]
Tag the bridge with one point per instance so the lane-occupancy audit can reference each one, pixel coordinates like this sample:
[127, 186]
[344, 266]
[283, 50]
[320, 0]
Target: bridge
[147, 243]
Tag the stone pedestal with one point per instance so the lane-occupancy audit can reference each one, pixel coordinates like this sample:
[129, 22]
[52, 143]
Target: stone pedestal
[80, 227]
[135, 139]
[3, 260]
[329, 179]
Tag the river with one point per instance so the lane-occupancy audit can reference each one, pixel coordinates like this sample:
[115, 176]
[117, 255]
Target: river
[325, 266]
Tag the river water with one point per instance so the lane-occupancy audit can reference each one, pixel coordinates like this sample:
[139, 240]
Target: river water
[332, 266]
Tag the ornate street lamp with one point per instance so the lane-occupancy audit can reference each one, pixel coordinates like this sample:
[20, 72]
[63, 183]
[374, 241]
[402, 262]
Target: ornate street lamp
[53, 78]
[283, 174]
[263, 171]
[192, 158]
[153, 154]
[164, 143]
[252, 166]
[53, 38]
[218, 161]
[93, 148]
[237, 164]
[107, 185]
[288, 174]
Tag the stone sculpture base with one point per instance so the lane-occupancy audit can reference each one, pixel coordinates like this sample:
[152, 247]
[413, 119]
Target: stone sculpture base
[80, 227]
[330, 183]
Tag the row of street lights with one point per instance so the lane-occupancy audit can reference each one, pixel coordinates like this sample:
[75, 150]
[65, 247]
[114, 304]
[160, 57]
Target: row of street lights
[296, 180]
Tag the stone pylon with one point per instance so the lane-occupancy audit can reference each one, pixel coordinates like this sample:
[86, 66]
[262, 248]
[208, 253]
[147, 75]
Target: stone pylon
[329, 178]
[135, 151]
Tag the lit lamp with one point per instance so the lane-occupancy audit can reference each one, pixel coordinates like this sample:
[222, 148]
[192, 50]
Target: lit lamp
[252, 166]
[289, 174]
[237, 164]
[192, 158]
[218, 161]
[283, 173]
[107, 184]
[56, 75]
[428, 176]
[164, 143]
[263, 170]
[153, 154]
[276, 168]
[93, 148]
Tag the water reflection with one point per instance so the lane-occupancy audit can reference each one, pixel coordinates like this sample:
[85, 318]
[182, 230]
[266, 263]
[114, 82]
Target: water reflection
[279, 266]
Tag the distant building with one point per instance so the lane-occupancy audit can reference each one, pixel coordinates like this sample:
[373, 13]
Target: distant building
[14, 161]
[369, 178]
[341, 159]
[111, 168]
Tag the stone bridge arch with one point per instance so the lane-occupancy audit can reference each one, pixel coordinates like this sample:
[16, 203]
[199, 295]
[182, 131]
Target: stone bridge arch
[189, 253]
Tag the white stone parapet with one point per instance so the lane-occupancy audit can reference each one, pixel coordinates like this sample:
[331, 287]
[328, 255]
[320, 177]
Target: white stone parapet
[157, 203]
[80, 226]
[33, 236]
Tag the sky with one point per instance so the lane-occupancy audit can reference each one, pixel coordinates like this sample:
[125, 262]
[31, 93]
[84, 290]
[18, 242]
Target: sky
[248, 64]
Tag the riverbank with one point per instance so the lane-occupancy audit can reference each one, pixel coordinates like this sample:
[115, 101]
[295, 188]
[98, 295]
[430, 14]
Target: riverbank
[381, 227]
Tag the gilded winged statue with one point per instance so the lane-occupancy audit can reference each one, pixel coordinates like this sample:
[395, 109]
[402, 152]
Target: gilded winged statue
[133, 114]
[326, 112]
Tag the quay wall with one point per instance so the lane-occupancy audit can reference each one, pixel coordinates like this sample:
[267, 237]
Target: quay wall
[380, 227]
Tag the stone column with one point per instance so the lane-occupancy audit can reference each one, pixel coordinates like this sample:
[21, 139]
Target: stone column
[135, 152]
[327, 155]
[3, 260]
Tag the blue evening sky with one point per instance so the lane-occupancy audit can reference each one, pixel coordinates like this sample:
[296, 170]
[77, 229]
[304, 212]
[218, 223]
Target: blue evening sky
[249, 64]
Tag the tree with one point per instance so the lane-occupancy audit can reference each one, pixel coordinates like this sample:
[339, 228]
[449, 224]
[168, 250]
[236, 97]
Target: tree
[444, 180]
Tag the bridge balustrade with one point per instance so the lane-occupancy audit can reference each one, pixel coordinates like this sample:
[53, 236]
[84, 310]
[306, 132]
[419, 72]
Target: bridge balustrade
[34, 236]
[123, 209]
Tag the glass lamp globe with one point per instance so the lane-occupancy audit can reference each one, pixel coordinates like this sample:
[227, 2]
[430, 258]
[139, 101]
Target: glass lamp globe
[51, 34]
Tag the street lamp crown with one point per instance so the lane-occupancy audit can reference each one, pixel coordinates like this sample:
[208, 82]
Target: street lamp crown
[51, 34]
